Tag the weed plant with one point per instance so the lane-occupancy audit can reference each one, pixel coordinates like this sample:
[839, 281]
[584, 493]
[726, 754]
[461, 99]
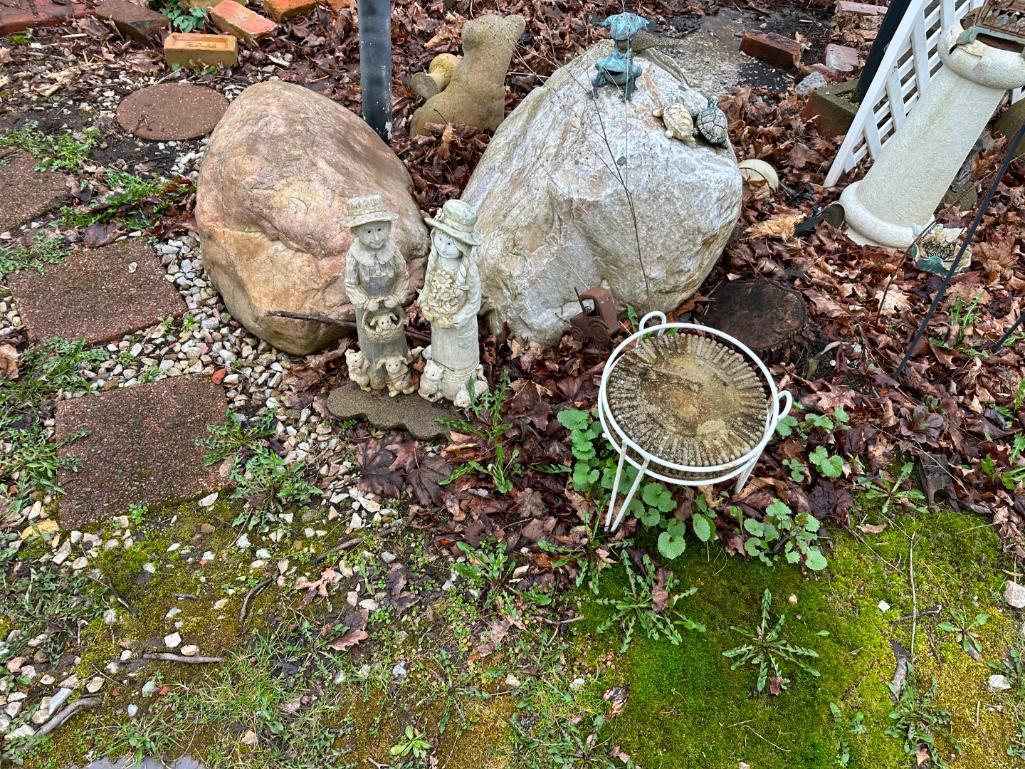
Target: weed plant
[767, 651]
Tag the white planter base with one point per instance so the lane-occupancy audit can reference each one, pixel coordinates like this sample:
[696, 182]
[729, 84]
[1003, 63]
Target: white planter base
[899, 195]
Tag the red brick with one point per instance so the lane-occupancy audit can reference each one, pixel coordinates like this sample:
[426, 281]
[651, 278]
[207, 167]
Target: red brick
[781, 52]
[133, 20]
[19, 15]
[860, 9]
[842, 58]
[239, 21]
[279, 10]
[216, 50]
[206, 5]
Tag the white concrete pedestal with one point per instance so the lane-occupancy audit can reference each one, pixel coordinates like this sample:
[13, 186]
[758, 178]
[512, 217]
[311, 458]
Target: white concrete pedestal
[901, 191]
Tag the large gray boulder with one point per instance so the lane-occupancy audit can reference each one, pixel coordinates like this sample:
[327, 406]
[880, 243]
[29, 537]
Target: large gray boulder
[270, 202]
[574, 192]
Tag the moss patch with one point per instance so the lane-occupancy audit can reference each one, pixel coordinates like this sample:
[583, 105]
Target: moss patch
[687, 708]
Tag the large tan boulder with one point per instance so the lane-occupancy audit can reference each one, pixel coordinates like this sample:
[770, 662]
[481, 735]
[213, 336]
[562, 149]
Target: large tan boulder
[270, 202]
[574, 192]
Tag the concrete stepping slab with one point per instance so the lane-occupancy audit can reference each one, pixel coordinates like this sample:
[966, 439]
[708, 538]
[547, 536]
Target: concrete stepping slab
[18, 15]
[129, 762]
[405, 412]
[97, 294]
[140, 447]
[27, 193]
[172, 111]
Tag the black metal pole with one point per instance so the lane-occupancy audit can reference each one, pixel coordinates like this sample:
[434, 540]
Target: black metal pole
[1007, 334]
[375, 64]
[1012, 151]
[894, 15]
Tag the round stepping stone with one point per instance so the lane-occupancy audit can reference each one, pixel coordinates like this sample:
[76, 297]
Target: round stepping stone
[171, 111]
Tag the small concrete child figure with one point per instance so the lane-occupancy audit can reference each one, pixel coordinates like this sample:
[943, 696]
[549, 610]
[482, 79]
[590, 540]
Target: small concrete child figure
[450, 300]
[377, 284]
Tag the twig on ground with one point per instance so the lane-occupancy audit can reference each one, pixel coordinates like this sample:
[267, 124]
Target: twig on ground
[168, 657]
[416, 336]
[930, 612]
[256, 590]
[58, 719]
[914, 595]
[350, 543]
[109, 584]
[764, 739]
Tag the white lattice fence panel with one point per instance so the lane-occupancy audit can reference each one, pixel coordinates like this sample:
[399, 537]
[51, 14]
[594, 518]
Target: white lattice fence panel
[910, 61]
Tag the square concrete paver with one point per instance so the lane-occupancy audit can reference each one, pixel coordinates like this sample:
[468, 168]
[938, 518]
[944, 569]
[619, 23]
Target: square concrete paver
[140, 448]
[96, 294]
[24, 192]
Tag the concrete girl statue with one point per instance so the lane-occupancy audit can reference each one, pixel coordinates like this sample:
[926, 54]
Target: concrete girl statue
[377, 284]
[450, 300]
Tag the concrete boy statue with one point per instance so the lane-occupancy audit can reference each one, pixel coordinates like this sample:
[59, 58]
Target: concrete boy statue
[450, 300]
[377, 283]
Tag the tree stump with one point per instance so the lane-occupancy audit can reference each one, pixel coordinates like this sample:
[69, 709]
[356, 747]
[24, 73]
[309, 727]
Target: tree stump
[765, 315]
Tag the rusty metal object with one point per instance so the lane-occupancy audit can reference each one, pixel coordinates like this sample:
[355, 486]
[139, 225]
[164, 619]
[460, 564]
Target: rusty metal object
[996, 21]
[597, 321]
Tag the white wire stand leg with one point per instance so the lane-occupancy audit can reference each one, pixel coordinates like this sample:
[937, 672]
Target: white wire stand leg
[651, 466]
[629, 495]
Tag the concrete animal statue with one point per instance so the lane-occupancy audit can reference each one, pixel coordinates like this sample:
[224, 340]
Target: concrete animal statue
[430, 380]
[475, 93]
[399, 379]
[437, 77]
[359, 368]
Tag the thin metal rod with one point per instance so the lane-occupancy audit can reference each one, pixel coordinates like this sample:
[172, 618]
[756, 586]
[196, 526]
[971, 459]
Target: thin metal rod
[1009, 333]
[1012, 151]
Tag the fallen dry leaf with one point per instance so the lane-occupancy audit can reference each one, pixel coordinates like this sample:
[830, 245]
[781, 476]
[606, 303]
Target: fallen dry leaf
[318, 587]
[8, 361]
[781, 227]
[872, 528]
[349, 640]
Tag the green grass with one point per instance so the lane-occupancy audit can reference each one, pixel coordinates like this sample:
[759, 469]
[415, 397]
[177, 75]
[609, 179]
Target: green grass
[41, 251]
[47, 368]
[29, 455]
[64, 153]
[132, 201]
[687, 708]
[40, 598]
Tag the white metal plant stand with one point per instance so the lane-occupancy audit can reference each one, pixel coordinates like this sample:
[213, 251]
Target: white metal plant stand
[718, 379]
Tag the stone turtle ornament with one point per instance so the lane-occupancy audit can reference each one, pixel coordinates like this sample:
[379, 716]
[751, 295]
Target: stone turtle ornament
[711, 125]
[678, 121]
